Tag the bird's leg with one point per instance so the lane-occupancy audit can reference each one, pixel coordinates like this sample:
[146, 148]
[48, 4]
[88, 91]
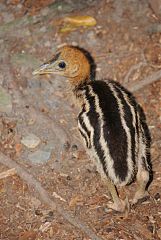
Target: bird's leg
[118, 204]
[142, 178]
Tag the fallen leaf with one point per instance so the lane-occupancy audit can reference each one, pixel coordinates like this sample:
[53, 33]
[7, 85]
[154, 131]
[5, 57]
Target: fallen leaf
[85, 21]
[75, 200]
[73, 22]
[67, 28]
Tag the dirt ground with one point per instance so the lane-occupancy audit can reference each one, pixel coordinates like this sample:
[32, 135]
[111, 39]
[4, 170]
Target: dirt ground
[52, 190]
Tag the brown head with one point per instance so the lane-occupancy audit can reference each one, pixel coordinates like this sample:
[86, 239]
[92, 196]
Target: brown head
[69, 62]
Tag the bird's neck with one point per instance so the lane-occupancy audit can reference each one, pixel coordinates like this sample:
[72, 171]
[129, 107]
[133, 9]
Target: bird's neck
[78, 86]
[78, 81]
[78, 91]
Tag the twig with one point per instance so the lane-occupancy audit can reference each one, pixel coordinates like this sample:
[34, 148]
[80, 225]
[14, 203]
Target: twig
[45, 198]
[8, 173]
[58, 196]
[146, 81]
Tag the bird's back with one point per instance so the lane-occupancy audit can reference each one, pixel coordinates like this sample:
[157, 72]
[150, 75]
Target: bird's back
[109, 123]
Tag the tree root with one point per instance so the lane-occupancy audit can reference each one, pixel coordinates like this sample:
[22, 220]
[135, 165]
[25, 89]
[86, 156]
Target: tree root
[45, 198]
[146, 81]
[133, 68]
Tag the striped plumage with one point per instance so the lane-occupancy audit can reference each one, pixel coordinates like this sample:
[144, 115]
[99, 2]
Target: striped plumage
[112, 128]
[110, 122]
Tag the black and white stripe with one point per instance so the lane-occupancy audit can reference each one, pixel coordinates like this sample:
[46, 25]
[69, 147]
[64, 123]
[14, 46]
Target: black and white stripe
[110, 125]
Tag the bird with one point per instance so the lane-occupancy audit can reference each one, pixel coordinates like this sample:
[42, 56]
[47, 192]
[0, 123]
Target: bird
[110, 123]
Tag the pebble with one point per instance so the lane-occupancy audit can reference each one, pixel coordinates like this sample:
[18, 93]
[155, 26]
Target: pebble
[39, 157]
[19, 6]
[49, 147]
[30, 141]
[47, 44]
[7, 17]
[45, 11]
[5, 101]
[43, 29]
[91, 37]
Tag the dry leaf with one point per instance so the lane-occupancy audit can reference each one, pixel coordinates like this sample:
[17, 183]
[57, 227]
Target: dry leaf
[67, 28]
[85, 21]
[73, 22]
[75, 200]
[27, 235]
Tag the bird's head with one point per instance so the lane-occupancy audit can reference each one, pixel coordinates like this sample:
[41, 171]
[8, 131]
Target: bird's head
[69, 62]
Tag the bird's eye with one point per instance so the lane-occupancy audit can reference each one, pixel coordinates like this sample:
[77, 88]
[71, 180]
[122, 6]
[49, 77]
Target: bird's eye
[62, 65]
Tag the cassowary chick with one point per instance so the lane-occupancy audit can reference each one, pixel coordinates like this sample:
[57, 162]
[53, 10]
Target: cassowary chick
[110, 124]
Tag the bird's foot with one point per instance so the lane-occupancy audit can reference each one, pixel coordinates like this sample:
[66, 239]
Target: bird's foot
[120, 206]
[140, 195]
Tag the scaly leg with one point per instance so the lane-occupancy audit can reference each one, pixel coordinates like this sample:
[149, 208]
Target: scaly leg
[142, 180]
[118, 204]
[143, 174]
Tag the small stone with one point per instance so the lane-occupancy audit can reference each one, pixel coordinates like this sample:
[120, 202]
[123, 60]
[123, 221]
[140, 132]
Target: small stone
[45, 11]
[43, 29]
[47, 44]
[31, 121]
[39, 157]
[49, 147]
[30, 141]
[27, 32]
[5, 101]
[19, 6]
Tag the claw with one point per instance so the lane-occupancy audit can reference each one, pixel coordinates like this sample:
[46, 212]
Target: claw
[120, 206]
[139, 195]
